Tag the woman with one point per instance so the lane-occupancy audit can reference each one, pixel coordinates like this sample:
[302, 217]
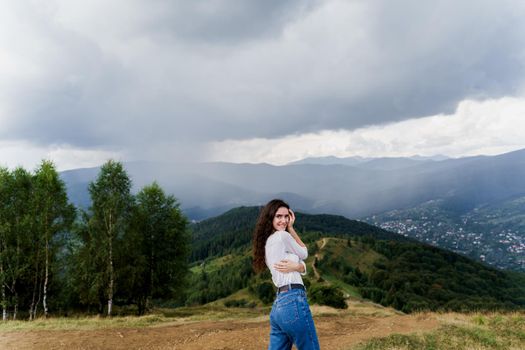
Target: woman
[277, 246]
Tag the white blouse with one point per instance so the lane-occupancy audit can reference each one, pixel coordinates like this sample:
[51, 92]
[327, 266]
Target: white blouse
[279, 246]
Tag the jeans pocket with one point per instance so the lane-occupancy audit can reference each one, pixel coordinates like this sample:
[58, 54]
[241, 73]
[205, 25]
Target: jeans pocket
[288, 312]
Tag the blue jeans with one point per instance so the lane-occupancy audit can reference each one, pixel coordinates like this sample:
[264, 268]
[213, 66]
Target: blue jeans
[291, 322]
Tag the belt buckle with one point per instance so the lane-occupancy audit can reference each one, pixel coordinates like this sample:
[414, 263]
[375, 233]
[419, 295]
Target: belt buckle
[285, 288]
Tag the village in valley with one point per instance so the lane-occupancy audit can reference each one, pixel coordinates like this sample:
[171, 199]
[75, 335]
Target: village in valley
[473, 234]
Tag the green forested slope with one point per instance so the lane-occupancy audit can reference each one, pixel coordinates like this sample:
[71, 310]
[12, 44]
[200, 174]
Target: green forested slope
[411, 276]
[232, 230]
[351, 256]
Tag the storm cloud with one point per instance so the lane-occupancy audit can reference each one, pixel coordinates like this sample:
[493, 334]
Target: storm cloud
[161, 79]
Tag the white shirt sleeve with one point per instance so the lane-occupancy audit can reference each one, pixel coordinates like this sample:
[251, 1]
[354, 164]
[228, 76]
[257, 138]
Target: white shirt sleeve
[292, 246]
[304, 264]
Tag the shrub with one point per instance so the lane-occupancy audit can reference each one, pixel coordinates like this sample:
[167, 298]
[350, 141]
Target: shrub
[239, 303]
[265, 291]
[327, 295]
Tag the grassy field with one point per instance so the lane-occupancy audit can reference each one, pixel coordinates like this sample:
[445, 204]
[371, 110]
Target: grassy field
[213, 265]
[346, 288]
[210, 312]
[460, 331]
[214, 311]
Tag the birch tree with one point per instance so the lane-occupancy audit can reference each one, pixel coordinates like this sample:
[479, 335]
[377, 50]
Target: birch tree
[110, 214]
[15, 229]
[15, 193]
[53, 215]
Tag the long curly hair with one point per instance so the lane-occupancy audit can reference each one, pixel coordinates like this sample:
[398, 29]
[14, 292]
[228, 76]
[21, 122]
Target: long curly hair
[263, 230]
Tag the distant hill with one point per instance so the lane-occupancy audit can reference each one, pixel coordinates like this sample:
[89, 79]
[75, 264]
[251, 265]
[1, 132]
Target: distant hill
[225, 233]
[411, 276]
[352, 161]
[379, 163]
[351, 191]
[352, 258]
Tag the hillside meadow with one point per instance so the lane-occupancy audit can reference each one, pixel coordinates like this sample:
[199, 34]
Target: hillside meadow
[362, 326]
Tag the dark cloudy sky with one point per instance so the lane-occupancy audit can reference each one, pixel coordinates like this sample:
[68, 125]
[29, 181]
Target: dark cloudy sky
[253, 81]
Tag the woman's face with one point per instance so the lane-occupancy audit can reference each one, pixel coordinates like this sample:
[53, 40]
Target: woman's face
[281, 219]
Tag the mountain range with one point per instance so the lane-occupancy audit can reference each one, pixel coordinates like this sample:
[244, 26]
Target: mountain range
[383, 191]
[356, 190]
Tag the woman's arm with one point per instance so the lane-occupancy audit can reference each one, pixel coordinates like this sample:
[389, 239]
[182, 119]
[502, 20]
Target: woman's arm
[291, 240]
[286, 266]
[291, 230]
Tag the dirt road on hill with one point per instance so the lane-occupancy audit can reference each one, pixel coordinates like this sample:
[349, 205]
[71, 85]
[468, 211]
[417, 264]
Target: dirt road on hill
[316, 273]
[335, 332]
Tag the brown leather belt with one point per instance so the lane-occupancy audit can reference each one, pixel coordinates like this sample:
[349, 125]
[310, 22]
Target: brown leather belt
[287, 287]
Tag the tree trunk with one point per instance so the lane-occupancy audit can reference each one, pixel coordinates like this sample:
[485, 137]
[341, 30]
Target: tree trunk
[46, 278]
[4, 300]
[13, 286]
[15, 309]
[111, 277]
[15, 298]
[151, 271]
[32, 307]
[141, 306]
[37, 300]
[4, 304]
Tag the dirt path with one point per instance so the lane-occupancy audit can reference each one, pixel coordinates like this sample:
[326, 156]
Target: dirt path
[335, 332]
[316, 273]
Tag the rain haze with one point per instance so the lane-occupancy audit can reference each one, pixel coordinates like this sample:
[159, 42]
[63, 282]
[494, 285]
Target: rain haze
[258, 81]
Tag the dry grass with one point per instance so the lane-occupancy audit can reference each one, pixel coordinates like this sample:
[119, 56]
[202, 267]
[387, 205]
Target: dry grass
[159, 317]
[215, 311]
[443, 331]
[462, 331]
[84, 323]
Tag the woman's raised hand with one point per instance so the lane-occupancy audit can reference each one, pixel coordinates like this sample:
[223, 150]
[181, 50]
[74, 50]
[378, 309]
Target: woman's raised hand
[291, 230]
[292, 220]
